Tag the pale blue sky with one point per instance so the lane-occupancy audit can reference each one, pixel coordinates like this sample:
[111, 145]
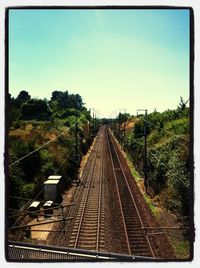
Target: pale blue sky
[113, 58]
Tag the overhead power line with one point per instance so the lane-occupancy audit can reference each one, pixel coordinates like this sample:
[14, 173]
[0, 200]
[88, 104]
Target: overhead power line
[29, 199]
[175, 176]
[46, 143]
[64, 161]
[40, 223]
[175, 135]
[27, 203]
[27, 212]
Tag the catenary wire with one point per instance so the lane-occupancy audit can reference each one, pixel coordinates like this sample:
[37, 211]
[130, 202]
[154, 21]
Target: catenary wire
[178, 136]
[64, 161]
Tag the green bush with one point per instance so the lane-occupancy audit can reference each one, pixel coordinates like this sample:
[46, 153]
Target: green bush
[178, 126]
[167, 156]
[28, 190]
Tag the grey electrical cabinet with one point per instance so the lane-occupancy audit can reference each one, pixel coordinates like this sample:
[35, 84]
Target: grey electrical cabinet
[52, 191]
[61, 183]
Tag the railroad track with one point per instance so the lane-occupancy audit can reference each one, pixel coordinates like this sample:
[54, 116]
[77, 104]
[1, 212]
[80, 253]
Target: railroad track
[136, 239]
[88, 228]
[91, 212]
[105, 216]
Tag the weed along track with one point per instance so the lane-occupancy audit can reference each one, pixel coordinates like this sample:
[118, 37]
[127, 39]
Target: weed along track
[106, 215]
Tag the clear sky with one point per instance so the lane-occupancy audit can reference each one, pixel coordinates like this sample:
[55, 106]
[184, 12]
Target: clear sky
[115, 59]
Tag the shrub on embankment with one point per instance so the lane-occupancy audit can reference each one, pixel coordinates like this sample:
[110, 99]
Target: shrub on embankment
[26, 177]
[168, 157]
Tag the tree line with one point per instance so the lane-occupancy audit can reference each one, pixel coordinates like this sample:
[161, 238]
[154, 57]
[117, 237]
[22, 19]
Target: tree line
[61, 105]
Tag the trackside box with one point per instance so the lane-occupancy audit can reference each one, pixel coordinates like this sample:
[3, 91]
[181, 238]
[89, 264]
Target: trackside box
[55, 177]
[34, 209]
[52, 191]
[48, 209]
[61, 179]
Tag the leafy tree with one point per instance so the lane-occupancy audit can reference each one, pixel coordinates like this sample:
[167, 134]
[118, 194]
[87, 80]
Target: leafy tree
[30, 166]
[139, 129]
[61, 103]
[15, 104]
[23, 97]
[123, 117]
[14, 111]
[35, 109]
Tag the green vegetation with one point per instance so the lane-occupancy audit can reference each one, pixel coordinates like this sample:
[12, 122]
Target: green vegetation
[168, 164]
[134, 172]
[181, 248]
[168, 167]
[150, 205]
[34, 122]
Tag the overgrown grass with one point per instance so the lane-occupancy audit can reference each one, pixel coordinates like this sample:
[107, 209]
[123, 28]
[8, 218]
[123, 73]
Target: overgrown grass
[181, 248]
[134, 172]
[139, 179]
[178, 126]
[152, 207]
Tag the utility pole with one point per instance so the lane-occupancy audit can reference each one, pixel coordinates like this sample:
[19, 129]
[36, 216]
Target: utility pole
[122, 137]
[76, 157]
[89, 125]
[93, 120]
[116, 122]
[145, 148]
[119, 136]
[96, 123]
[124, 128]
[76, 131]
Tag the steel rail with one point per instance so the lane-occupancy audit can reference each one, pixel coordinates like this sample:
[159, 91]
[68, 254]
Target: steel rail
[100, 201]
[136, 208]
[119, 198]
[87, 194]
[77, 194]
[83, 210]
